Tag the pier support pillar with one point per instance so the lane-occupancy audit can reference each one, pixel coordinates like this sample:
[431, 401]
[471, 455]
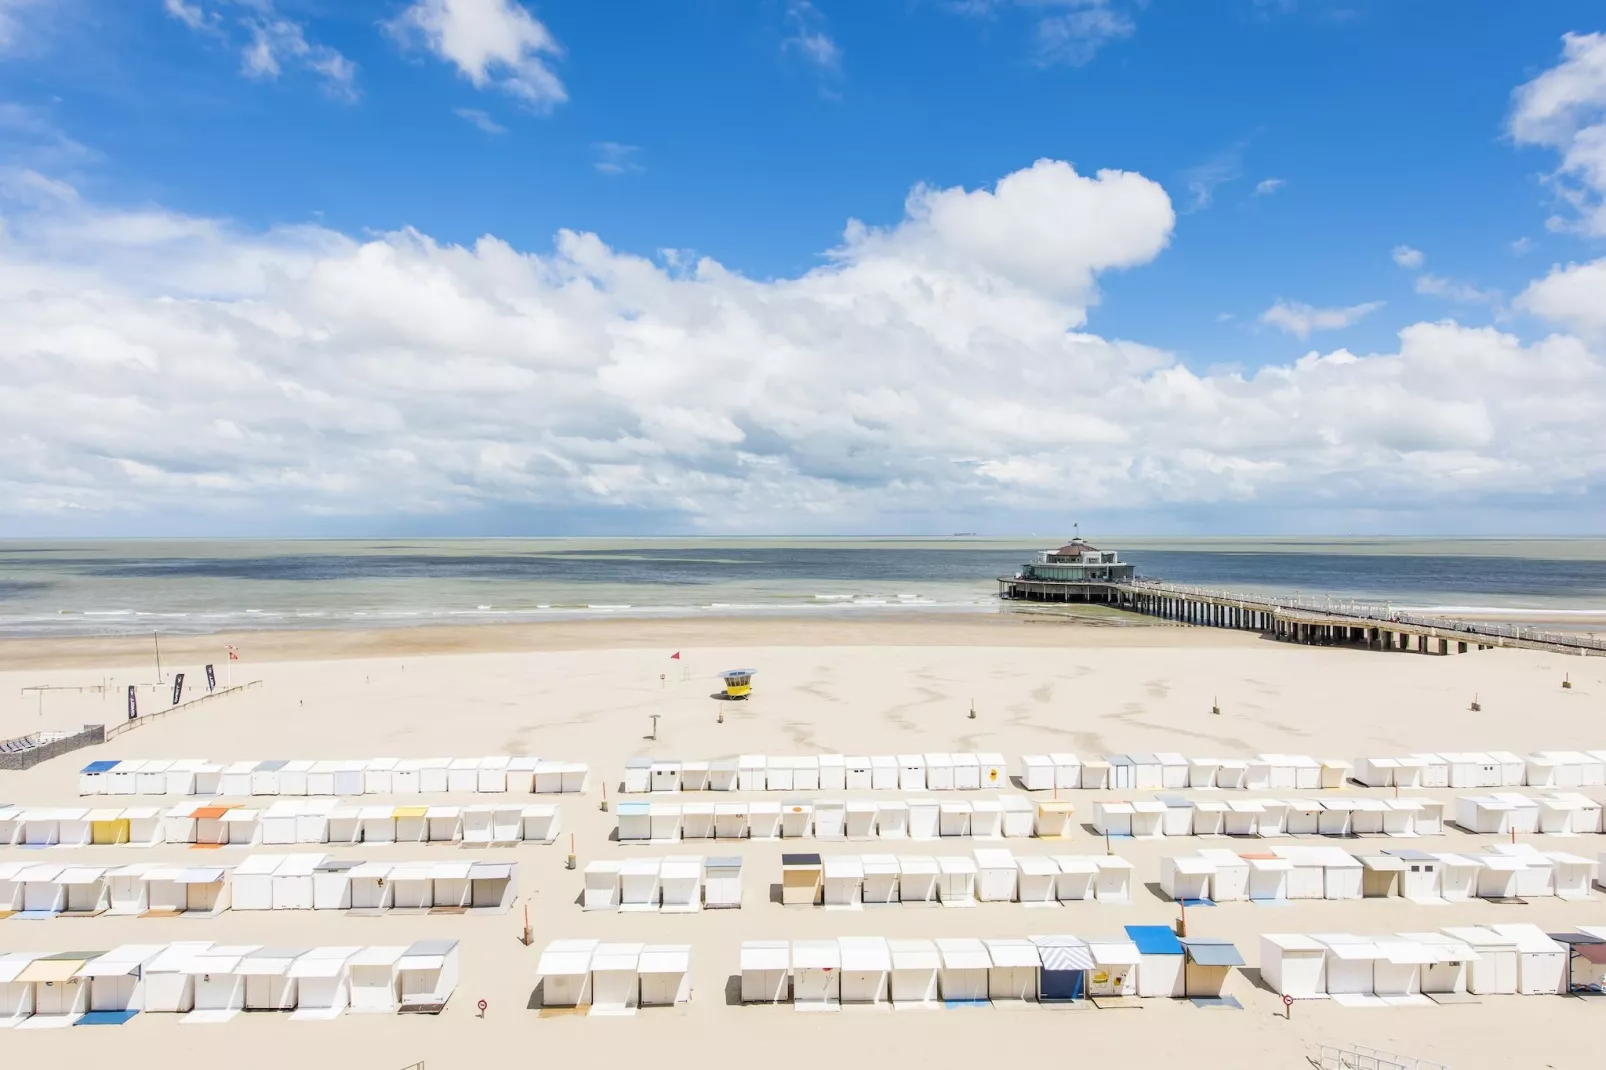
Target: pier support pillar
[1461, 648]
[1444, 646]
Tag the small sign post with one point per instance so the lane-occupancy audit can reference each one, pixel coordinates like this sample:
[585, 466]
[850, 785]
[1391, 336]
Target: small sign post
[1288, 1004]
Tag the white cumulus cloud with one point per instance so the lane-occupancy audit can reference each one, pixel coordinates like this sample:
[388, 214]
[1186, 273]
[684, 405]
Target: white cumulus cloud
[492, 43]
[156, 365]
[1573, 297]
[1300, 319]
[1564, 108]
[1407, 257]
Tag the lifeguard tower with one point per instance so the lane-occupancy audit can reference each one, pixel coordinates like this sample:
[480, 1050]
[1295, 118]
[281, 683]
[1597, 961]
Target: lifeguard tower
[738, 682]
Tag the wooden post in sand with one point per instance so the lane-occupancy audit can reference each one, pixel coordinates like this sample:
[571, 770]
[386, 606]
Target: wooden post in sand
[570, 863]
[527, 937]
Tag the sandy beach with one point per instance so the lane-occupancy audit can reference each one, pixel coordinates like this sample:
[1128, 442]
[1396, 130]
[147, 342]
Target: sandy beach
[585, 691]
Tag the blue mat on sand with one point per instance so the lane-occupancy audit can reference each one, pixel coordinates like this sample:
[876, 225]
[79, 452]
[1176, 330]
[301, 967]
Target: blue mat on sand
[105, 1018]
[1217, 1001]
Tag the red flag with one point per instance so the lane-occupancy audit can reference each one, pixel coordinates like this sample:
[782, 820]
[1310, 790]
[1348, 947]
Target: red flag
[675, 656]
[234, 654]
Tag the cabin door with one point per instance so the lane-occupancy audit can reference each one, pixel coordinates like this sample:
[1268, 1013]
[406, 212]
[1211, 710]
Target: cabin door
[53, 998]
[1063, 985]
[659, 988]
[815, 986]
[202, 897]
[111, 993]
[419, 982]
[268, 993]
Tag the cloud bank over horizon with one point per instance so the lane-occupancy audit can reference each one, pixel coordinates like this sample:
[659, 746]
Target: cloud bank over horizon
[931, 370]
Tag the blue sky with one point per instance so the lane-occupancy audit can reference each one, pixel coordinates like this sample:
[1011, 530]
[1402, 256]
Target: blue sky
[1301, 143]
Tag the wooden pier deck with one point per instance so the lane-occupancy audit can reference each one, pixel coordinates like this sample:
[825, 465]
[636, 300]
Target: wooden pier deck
[1323, 622]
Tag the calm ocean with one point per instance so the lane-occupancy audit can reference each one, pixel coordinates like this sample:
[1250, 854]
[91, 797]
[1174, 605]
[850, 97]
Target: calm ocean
[127, 586]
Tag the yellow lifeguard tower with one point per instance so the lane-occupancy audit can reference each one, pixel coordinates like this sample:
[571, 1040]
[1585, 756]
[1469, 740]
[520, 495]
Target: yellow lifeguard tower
[738, 682]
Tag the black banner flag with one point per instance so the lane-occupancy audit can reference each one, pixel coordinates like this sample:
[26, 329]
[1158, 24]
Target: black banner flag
[178, 687]
[211, 679]
[133, 703]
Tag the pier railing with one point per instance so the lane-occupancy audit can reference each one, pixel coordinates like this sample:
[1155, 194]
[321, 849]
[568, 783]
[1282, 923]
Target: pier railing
[1354, 609]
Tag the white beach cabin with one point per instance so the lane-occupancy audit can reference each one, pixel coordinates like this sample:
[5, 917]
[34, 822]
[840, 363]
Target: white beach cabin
[766, 971]
[866, 970]
[915, 964]
[816, 975]
[665, 974]
[564, 973]
[1013, 973]
[322, 983]
[964, 974]
[268, 985]
[1160, 961]
[427, 976]
[374, 984]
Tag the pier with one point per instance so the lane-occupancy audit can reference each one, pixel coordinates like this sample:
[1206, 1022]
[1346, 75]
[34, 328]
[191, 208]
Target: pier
[1078, 572]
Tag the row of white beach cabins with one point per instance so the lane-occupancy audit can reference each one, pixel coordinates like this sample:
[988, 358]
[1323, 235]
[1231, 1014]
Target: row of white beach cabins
[372, 776]
[1503, 871]
[211, 983]
[1399, 969]
[1148, 961]
[671, 884]
[613, 978]
[220, 824]
[661, 821]
[974, 771]
[1009, 816]
[35, 890]
[1559, 813]
[1047, 772]
[958, 771]
[683, 884]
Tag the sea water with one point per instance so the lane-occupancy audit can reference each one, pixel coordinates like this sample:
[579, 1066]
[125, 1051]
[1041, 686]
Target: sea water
[108, 587]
